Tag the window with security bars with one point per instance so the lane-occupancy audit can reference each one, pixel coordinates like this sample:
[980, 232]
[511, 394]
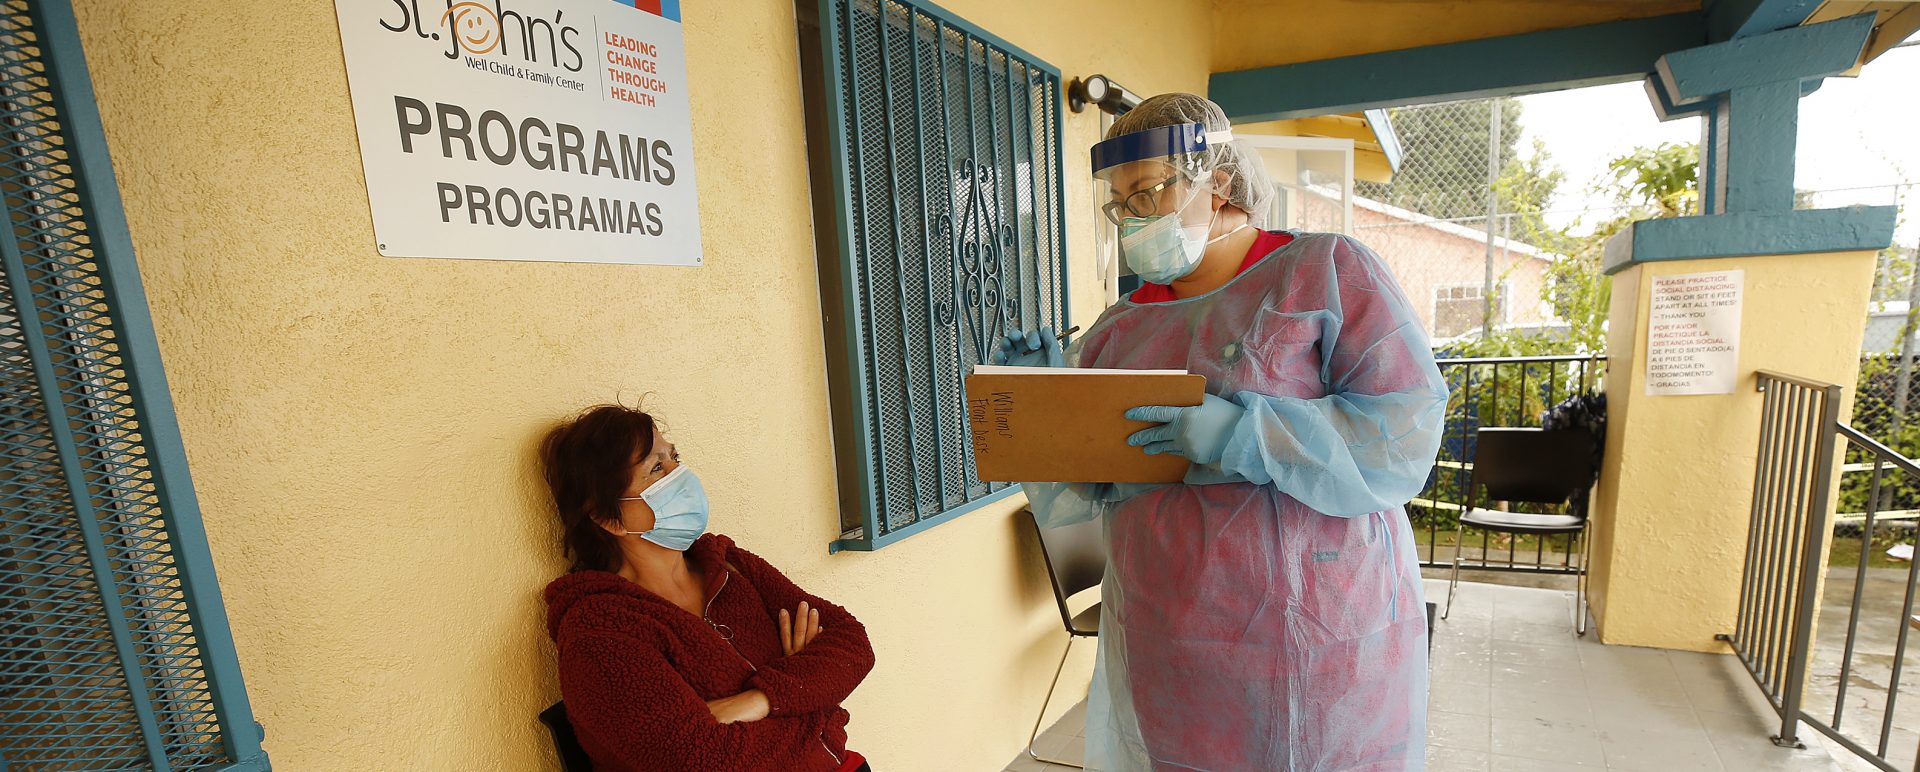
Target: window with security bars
[936, 149]
[114, 650]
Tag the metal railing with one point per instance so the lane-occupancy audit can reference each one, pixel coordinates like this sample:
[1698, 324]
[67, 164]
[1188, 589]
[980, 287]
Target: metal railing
[1881, 457]
[1787, 552]
[1493, 392]
[1791, 481]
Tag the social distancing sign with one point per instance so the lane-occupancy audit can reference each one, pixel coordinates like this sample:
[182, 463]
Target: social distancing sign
[1693, 333]
[553, 130]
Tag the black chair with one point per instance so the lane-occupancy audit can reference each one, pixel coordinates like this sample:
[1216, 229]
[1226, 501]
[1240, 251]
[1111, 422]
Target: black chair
[573, 758]
[1076, 558]
[1533, 466]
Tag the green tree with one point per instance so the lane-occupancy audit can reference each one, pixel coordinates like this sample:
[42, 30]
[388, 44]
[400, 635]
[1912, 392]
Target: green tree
[1648, 183]
[1655, 182]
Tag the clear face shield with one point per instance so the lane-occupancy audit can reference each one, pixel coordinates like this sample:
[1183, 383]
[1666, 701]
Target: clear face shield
[1158, 186]
[1154, 172]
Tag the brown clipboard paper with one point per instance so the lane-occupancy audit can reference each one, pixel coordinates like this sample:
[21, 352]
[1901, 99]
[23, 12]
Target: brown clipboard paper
[1064, 424]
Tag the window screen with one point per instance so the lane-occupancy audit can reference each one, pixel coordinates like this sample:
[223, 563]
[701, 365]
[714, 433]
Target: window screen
[938, 201]
[114, 640]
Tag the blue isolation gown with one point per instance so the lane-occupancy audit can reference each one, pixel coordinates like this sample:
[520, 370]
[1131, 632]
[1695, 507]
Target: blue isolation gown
[1268, 614]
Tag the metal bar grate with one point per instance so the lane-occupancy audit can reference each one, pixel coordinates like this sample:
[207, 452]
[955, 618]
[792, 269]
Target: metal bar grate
[1492, 392]
[114, 642]
[944, 143]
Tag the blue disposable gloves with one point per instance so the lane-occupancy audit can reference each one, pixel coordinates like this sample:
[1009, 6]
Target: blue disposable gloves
[1029, 348]
[1198, 433]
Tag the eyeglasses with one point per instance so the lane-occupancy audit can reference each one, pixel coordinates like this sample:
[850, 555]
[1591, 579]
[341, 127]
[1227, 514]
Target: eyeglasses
[1144, 202]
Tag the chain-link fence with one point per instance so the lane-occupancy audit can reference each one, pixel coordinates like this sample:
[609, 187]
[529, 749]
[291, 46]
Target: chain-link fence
[1886, 401]
[1430, 223]
[1464, 168]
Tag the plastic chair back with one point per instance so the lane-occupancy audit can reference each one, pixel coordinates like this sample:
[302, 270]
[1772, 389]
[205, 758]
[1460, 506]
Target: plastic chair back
[1532, 465]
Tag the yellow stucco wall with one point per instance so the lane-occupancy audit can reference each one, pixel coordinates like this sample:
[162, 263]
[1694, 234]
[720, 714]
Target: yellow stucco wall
[1671, 514]
[1259, 33]
[360, 428]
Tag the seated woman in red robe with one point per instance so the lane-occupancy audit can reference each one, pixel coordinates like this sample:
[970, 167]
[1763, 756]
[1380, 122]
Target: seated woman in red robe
[678, 649]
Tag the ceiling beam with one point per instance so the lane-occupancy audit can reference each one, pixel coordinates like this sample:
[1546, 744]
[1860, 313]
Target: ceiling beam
[1894, 29]
[1813, 51]
[1732, 19]
[1590, 55]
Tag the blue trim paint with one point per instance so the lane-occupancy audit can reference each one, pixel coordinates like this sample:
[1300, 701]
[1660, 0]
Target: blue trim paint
[670, 10]
[1749, 90]
[1814, 51]
[1712, 176]
[1729, 19]
[866, 542]
[860, 385]
[1663, 106]
[86, 517]
[99, 196]
[1162, 142]
[846, 144]
[1591, 55]
[1759, 167]
[1746, 234]
[1382, 127]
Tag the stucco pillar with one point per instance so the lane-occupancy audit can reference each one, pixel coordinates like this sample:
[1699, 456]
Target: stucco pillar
[1671, 513]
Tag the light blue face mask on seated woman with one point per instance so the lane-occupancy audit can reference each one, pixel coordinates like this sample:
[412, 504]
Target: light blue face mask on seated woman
[679, 504]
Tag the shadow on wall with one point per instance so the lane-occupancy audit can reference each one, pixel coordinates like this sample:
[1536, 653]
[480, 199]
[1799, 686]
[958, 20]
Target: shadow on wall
[1035, 588]
[525, 647]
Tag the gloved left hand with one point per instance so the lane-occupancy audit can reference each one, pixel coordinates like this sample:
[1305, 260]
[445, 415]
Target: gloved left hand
[1199, 433]
[1029, 348]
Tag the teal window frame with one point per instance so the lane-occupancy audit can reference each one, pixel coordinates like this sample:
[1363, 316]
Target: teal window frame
[973, 238]
[115, 637]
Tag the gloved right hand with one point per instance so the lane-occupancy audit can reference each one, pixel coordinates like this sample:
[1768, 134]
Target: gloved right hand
[1200, 433]
[1029, 348]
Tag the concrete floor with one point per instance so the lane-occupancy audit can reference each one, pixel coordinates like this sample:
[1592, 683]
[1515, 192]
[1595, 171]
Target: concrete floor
[1513, 689]
[1877, 637]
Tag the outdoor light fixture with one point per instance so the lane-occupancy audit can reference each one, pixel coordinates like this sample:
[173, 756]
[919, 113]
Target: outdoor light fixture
[1100, 92]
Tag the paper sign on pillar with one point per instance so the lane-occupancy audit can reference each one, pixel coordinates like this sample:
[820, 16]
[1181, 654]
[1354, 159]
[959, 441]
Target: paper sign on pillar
[552, 130]
[1693, 333]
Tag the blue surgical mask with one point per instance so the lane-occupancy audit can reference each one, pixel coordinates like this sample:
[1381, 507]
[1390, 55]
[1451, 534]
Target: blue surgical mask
[1161, 249]
[1164, 249]
[679, 504]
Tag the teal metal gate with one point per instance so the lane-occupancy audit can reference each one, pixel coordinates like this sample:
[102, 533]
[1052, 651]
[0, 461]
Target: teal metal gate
[114, 648]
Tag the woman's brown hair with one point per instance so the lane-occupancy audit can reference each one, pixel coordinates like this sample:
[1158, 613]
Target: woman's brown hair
[588, 462]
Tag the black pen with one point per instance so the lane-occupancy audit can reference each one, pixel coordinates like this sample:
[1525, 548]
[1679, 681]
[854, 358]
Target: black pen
[1062, 337]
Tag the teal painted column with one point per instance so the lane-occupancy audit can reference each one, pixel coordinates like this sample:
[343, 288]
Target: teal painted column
[1803, 280]
[1747, 92]
[1765, 121]
[1713, 158]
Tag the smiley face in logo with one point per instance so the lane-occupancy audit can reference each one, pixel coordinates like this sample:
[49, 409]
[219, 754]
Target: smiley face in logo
[475, 27]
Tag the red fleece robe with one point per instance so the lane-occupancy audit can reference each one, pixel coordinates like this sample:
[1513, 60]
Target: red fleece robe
[636, 671]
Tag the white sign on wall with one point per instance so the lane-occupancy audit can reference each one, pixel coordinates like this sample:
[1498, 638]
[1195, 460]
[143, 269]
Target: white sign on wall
[524, 129]
[1693, 333]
